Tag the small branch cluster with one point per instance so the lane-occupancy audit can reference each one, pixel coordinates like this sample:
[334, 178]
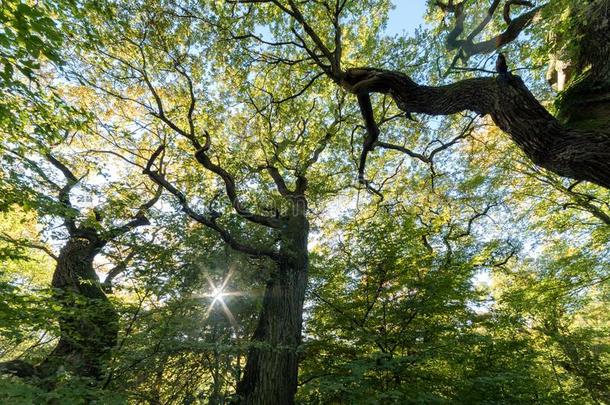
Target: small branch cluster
[468, 46]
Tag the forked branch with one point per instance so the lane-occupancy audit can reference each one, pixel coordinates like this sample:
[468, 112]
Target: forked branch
[209, 221]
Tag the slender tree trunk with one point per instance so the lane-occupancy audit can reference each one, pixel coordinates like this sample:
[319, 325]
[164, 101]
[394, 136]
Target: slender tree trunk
[88, 322]
[270, 375]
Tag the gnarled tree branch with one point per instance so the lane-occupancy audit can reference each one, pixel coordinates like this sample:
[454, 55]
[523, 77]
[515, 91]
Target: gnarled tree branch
[468, 47]
[573, 153]
[208, 221]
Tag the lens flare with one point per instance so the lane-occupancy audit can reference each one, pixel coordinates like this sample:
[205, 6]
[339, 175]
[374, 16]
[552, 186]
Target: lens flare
[218, 293]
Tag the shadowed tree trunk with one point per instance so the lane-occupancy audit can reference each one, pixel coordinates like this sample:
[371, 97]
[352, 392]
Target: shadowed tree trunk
[586, 101]
[88, 322]
[271, 372]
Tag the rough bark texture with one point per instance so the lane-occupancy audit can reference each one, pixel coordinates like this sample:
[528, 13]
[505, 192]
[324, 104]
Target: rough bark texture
[581, 154]
[586, 101]
[271, 372]
[88, 321]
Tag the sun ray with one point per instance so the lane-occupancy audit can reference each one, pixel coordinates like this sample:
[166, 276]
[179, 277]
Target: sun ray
[229, 314]
[217, 294]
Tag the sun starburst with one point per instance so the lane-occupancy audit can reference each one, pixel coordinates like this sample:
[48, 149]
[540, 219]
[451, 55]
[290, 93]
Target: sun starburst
[218, 293]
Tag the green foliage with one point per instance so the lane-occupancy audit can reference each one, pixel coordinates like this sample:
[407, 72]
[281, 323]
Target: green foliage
[68, 391]
[29, 34]
[473, 279]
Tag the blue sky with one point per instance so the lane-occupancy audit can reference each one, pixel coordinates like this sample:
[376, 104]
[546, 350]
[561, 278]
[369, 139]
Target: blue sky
[406, 16]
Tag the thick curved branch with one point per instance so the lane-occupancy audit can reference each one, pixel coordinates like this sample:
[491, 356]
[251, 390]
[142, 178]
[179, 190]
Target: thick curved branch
[231, 191]
[573, 153]
[298, 16]
[139, 219]
[511, 33]
[509, 4]
[370, 140]
[366, 109]
[115, 271]
[200, 151]
[316, 153]
[301, 183]
[490, 13]
[210, 221]
[31, 164]
[279, 181]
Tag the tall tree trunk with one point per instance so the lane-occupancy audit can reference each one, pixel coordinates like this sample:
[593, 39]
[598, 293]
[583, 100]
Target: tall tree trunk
[88, 322]
[270, 375]
[586, 101]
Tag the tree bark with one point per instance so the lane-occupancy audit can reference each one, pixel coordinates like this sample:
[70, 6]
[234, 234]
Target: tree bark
[581, 154]
[88, 322]
[586, 101]
[271, 372]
